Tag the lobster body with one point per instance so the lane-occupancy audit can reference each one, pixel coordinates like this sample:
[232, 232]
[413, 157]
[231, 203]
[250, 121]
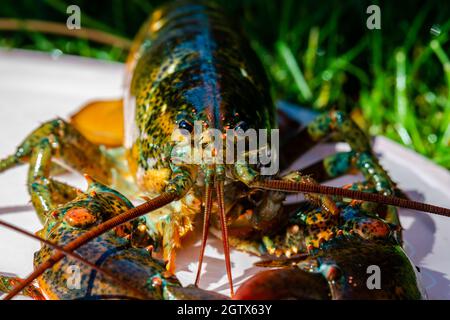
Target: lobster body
[188, 63]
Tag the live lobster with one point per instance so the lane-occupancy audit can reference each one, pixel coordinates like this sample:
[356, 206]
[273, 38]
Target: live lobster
[190, 65]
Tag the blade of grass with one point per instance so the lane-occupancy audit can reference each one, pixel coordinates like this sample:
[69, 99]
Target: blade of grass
[406, 120]
[311, 52]
[443, 160]
[411, 37]
[445, 124]
[425, 54]
[286, 12]
[294, 70]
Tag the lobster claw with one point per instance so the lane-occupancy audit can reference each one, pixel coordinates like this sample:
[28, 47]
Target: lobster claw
[290, 283]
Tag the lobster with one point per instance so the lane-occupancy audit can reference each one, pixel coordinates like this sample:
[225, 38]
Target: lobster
[188, 70]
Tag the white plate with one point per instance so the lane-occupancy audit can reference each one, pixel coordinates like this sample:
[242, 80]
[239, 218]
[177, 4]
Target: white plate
[35, 87]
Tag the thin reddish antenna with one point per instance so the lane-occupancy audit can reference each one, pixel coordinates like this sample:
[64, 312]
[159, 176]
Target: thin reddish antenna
[96, 231]
[288, 186]
[104, 272]
[276, 263]
[207, 213]
[223, 223]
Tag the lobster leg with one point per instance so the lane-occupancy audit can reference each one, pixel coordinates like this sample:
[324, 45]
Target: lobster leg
[320, 128]
[339, 123]
[323, 200]
[342, 163]
[44, 190]
[8, 282]
[321, 216]
[360, 158]
[67, 145]
[57, 140]
[376, 178]
[321, 220]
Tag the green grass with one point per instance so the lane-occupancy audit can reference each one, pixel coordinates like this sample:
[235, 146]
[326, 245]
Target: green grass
[394, 81]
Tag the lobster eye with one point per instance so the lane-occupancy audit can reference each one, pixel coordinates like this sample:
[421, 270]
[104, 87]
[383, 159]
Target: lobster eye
[184, 124]
[241, 126]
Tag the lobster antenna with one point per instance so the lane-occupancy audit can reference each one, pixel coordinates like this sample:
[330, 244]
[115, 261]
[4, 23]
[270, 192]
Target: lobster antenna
[223, 223]
[288, 186]
[277, 263]
[79, 258]
[156, 203]
[207, 213]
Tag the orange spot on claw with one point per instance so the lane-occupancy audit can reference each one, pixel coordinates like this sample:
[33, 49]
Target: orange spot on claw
[79, 217]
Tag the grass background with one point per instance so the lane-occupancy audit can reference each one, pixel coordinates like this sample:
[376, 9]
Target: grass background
[394, 81]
